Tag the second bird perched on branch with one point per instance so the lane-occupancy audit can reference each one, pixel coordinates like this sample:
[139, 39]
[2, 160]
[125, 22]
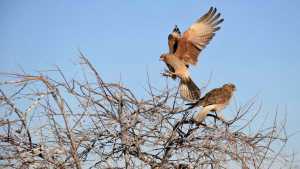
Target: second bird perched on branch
[214, 101]
[184, 50]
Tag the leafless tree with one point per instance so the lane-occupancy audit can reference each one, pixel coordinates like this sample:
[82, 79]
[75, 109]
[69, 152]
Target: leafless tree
[58, 122]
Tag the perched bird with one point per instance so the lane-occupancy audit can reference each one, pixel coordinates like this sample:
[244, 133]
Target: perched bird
[214, 101]
[187, 49]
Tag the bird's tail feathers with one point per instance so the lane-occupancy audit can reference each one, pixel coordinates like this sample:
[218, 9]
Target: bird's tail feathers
[189, 90]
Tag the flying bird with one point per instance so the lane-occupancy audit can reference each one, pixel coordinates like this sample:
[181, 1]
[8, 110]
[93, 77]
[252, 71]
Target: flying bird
[214, 101]
[184, 50]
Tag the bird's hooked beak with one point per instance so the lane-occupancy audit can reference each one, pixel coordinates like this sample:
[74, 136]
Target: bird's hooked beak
[233, 87]
[161, 58]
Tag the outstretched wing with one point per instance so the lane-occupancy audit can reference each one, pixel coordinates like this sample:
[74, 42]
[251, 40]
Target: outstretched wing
[196, 38]
[173, 40]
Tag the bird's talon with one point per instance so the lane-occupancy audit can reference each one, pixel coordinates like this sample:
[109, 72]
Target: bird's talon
[167, 73]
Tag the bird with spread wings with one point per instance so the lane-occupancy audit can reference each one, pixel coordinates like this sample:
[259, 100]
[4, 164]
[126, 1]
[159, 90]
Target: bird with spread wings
[184, 50]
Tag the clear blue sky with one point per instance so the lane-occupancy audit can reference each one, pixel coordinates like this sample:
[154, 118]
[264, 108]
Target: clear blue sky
[257, 47]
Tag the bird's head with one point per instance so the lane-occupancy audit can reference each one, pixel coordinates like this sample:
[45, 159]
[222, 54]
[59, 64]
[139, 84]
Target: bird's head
[230, 87]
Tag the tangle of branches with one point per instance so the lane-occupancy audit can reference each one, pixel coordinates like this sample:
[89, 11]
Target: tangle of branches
[89, 123]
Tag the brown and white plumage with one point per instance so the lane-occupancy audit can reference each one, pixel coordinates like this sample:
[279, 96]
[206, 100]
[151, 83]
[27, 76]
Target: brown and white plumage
[184, 50]
[187, 88]
[173, 40]
[195, 39]
[214, 101]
